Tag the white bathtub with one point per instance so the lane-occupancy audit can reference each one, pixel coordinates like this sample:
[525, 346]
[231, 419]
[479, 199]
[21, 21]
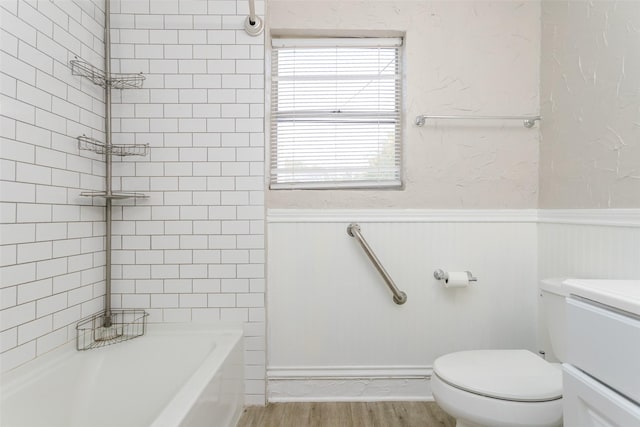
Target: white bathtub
[174, 375]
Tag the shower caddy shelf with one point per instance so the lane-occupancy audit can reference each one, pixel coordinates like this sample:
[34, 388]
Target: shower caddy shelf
[86, 143]
[80, 67]
[122, 150]
[115, 195]
[109, 326]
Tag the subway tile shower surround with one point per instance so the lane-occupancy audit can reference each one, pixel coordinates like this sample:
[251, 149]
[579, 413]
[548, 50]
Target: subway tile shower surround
[194, 250]
[52, 239]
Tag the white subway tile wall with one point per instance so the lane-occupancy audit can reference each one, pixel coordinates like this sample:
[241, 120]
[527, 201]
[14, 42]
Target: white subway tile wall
[194, 250]
[52, 239]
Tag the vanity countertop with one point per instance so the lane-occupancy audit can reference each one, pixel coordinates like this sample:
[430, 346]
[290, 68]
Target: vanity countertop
[621, 294]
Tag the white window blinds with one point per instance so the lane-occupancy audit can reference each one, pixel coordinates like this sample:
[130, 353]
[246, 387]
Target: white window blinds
[335, 113]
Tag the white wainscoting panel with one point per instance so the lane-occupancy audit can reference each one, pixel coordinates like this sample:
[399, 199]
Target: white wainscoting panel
[567, 247]
[589, 251]
[332, 322]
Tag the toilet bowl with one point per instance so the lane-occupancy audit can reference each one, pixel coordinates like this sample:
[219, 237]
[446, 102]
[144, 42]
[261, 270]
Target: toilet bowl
[506, 388]
[498, 388]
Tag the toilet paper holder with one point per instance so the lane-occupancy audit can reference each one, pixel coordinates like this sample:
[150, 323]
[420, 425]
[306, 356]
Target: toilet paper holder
[443, 275]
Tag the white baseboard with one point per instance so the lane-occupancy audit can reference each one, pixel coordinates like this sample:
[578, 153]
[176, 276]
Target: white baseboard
[349, 384]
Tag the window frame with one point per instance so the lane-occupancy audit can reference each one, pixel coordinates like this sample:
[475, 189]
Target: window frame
[397, 182]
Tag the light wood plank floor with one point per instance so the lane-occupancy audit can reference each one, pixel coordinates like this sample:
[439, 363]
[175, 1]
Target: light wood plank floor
[347, 414]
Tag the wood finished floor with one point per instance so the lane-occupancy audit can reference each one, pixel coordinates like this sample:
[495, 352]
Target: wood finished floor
[346, 414]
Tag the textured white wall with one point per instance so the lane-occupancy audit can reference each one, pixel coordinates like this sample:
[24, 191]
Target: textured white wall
[461, 57]
[52, 240]
[194, 250]
[590, 143]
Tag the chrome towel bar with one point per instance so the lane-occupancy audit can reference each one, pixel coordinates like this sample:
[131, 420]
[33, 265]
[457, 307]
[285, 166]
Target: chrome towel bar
[527, 121]
[399, 297]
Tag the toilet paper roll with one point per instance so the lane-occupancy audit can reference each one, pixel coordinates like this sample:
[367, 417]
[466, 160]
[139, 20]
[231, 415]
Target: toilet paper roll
[457, 279]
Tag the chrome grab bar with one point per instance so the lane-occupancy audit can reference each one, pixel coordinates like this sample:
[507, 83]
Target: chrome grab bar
[399, 297]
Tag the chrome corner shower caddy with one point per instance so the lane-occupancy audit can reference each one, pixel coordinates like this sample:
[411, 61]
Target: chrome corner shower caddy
[109, 326]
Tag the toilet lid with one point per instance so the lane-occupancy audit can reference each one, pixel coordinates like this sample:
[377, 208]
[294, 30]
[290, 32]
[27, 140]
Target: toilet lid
[517, 375]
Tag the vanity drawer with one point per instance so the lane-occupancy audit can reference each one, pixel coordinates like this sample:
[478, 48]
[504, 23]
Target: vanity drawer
[588, 403]
[605, 344]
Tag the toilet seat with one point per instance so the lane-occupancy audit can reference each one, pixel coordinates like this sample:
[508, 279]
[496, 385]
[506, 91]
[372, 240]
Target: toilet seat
[513, 375]
[474, 410]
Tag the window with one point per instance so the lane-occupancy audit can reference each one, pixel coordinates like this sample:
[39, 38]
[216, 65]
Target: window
[335, 113]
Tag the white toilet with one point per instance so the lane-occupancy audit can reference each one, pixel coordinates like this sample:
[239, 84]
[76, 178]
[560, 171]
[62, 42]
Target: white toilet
[506, 388]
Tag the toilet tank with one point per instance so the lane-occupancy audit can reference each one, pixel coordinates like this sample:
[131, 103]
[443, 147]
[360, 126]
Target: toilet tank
[553, 295]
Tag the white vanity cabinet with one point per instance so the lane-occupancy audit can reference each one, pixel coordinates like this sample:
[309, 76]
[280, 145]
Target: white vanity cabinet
[601, 378]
